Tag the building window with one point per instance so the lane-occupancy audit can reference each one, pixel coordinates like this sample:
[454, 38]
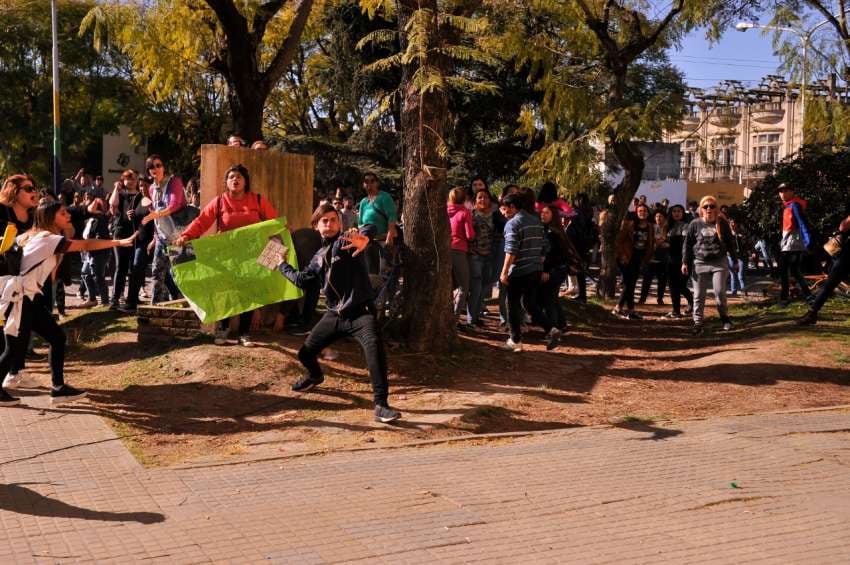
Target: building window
[766, 149]
[723, 156]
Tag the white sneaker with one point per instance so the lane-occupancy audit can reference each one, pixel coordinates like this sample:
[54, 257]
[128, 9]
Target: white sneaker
[330, 354]
[220, 337]
[510, 345]
[19, 380]
[89, 304]
[245, 341]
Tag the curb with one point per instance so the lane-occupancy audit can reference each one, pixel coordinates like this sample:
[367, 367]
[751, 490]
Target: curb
[479, 437]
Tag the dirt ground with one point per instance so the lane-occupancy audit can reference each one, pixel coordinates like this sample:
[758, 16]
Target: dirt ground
[197, 402]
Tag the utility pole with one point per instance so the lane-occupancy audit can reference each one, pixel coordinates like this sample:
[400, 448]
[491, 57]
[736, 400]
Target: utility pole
[57, 145]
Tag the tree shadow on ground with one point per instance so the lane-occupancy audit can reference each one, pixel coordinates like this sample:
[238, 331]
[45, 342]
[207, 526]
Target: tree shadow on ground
[21, 500]
[210, 409]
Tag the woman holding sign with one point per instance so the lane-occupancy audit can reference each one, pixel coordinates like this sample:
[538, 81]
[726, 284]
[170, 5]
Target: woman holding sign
[236, 207]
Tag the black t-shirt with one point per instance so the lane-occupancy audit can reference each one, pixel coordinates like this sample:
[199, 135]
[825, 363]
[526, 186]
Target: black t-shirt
[641, 237]
[7, 214]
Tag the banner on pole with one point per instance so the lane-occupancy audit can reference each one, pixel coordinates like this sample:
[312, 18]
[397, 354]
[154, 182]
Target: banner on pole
[220, 277]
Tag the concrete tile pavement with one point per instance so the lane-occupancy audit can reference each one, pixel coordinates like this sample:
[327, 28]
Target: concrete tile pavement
[660, 493]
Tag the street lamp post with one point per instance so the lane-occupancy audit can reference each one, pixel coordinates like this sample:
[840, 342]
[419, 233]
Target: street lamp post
[805, 37]
[57, 144]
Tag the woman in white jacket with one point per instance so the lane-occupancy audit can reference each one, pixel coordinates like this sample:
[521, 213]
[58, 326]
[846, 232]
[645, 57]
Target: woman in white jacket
[42, 247]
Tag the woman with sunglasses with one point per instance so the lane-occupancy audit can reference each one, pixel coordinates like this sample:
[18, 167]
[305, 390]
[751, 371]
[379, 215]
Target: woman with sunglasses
[43, 247]
[707, 242]
[168, 198]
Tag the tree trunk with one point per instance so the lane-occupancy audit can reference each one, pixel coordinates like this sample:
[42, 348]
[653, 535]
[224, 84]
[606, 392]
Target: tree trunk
[631, 159]
[427, 321]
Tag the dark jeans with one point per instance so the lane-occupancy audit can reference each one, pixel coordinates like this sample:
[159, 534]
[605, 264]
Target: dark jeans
[244, 323]
[479, 270]
[522, 292]
[164, 287]
[36, 318]
[630, 273]
[837, 273]
[94, 275]
[678, 286]
[123, 262]
[654, 270]
[581, 277]
[137, 274]
[363, 328]
[791, 264]
[547, 297]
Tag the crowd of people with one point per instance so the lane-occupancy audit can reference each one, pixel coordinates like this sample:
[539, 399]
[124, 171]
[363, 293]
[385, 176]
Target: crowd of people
[529, 248]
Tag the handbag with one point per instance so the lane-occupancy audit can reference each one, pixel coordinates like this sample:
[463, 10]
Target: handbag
[833, 245]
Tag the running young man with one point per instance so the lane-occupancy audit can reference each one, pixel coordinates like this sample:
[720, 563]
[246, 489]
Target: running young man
[348, 293]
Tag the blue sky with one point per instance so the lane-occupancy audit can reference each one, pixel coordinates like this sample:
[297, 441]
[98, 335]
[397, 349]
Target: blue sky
[740, 56]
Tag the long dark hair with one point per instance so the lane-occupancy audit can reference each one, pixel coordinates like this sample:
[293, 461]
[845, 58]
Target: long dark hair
[547, 193]
[556, 228]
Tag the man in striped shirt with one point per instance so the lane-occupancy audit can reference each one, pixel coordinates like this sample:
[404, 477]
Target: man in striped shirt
[522, 271]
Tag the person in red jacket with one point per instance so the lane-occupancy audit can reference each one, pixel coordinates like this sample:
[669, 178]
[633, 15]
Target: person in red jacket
[460, 220]
[236, 207]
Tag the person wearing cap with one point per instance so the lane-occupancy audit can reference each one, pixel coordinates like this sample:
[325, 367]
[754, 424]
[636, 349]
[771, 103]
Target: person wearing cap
[795, 240]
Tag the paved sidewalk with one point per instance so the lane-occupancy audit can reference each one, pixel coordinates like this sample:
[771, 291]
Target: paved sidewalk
[70, 492]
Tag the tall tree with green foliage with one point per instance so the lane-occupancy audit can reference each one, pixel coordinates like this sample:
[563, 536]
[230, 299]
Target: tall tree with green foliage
[434, 36]
[606, 83]
[94, 96]
[250, 45]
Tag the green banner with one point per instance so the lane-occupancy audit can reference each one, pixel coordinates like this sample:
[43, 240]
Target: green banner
[223, 278]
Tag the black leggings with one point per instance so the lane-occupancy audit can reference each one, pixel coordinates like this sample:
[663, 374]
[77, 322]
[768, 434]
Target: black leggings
[123, 262]
[654, 270]
[36, 318]
[363, 328]
[678, 285]
[839, 270]
[791, 265]
[630, 272]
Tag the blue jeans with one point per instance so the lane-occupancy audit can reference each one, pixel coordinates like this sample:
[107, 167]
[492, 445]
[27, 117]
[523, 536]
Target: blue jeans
[137, 273]
[737, 278]
[479, 271]
[94, 275]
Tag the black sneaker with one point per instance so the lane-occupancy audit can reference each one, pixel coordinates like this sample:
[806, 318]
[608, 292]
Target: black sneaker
[306, 382]
[7, 399]
[385, 414]
[697, 330]
[810, 318]
[810, 299]
[65, 393]
[634, 316]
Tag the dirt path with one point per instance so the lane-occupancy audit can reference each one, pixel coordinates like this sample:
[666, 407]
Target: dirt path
[197, 401]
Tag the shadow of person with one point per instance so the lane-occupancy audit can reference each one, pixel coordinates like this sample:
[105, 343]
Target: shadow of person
[658, 433]
[19, 499]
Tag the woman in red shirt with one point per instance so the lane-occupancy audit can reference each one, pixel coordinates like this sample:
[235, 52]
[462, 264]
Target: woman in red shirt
[236, 207]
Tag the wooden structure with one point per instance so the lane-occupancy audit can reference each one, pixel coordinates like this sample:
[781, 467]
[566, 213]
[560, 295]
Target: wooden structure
[166, 321]
[285, 178]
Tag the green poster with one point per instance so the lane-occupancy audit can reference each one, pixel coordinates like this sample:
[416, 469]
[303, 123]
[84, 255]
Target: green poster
[223, 278]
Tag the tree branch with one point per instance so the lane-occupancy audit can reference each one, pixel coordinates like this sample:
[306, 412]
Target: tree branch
[264, 15]
[828, 15]
[232, 21]
[286, 52]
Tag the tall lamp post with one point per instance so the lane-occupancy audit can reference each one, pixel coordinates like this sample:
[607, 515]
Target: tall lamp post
[57, 145]
[805, 37]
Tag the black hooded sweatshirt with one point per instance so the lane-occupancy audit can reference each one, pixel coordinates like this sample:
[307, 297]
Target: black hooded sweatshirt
[344, 278]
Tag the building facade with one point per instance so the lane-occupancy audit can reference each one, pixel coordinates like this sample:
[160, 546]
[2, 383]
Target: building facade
[738, 135]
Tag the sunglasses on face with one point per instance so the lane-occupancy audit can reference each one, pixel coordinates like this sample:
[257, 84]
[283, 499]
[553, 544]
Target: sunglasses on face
[28, 188]
[155, 166]
[709, 207]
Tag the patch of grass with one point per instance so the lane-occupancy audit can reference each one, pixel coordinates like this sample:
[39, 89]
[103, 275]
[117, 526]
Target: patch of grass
[840, 358]
[632, 419]
[129, 436]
